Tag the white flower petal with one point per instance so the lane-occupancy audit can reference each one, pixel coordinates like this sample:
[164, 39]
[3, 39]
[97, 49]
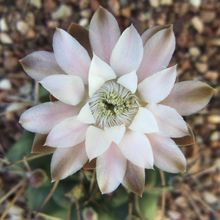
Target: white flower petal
[169, 121]
[67, 161]
[70, 55]
[103, 33]
[85, 115]
[157, 87]
[129, 81]
[144, 121]
[66, 88]
[96, 142]
[110, 169]
[40, 64]
[42, 118]
[99, 73]
[167, 155]
[128, 52]
[189, 97]
[115, 133]
[158, 51]
[136, 148]
[67, 133]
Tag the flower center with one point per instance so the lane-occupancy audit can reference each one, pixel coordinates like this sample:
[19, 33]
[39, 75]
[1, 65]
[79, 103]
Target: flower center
[113, 105]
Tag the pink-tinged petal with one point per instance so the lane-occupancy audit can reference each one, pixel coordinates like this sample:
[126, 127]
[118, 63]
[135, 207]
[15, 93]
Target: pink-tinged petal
[134, 179]
[67, 133]
[67, 161]
[99, 73]
[189, 97]
[136, 148]
[169, 121]
[103, 33]
[66, 88]
[128, 52]
[157, 87]
[96, 142]
[129, 81]
[115, 133]
[167, 155]
[85, 115]
[42, 118]
[144, 122]
[70, 55]
[110, 169]
[158, 52]
[40, 64]
[151, 31]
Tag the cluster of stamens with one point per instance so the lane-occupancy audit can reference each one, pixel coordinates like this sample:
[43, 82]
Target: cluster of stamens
[113, 105]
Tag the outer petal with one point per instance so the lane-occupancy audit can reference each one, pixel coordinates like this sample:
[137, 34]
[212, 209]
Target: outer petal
[103, 33]
[85, 115]
[136, 148]
[67, 133]
[96, 142]
[110, 169]
[188, 97]
[158, 51]
[167, 155]
[99, 73]
[70, 55]
[169, 121]
[42, 118]
[81, 34]
[134, 179]
[128, 52]
[67, 161]
[68, 89]
[115, 133]
[38, 145]
[129, 81]
[40, 64]
[144, 122]
[157, 87]
[151, 31]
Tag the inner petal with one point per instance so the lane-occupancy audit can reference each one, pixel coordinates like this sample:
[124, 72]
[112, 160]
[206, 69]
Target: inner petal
[113, 105]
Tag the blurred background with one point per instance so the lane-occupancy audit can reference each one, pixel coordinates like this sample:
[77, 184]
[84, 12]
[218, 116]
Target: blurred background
[25, 188]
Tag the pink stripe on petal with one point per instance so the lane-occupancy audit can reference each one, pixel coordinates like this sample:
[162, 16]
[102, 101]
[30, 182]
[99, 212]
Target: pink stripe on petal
[70, 55]
[40, 64]
[67, 133]
[103, 33]
[158, 52]
[110, 169]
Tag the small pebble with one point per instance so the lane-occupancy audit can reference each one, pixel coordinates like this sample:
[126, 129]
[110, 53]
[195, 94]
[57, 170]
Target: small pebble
[166, 2]
[154, 3]
[3, 25]
[194, 51]
[36, 3]
[202, 67]
[196, 3]
[5, 84]
[210, 198]
[5, 38]
[22, 27]
[198, 24]
[215, 119]
[83, 22]
[215, 136]
[63, 11]
[212, 75]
